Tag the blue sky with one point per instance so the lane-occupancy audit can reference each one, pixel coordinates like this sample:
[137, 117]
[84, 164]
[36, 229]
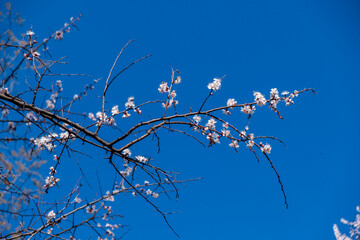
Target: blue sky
[258, 45]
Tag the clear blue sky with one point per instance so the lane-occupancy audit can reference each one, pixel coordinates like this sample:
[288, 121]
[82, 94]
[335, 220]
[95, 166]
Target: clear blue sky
[258, 45]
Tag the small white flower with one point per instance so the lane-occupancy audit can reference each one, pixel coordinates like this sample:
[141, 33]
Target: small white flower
[126, 152]
[130, 103]
[197, 119]
[126, 114]
[92, 116]
[231, 102]
[50, 104]
[177, 80]
[173, 94]
[75, 97]
[141, 159]
[163, 87]
[247, 109]
[211, 123]
[51, 215]
[215, 85]
[59, 35]
[30, 33]
[234, 144]
[225, 132]
[115, 110]
[266, 148]
[259, 99]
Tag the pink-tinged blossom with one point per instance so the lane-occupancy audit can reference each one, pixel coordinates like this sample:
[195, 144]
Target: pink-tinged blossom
[247, 109]
[50, 104]
[77, 199]
[225, 133]
[141, 159]
[115, 110]
[130, 103]
[148, 192]
[173, 94]
[259, 99]
[50, 181]
[288, 101]
[126, 114]
[231, 102]
[213, 137]
[274, 93]
[126, 152]
[137, 110]
[266, 148]
[163, 87]
[101, 116]
[234, 144]
[146, 182]
[155, 195]
[52, 171]
[36, 54]
[59, 35]
[4, 90]
[211, 123]
[285, 93]
[215, 85]
[90, 210]
[250, 144]
[111, 121]
[75, 97]
[177, 80]
[197, 119]
[225, 125]
[226, 112]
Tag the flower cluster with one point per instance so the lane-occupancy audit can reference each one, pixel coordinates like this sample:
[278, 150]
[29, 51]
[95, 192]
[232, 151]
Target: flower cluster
[51, 180]
[215, 85]
[354, 228]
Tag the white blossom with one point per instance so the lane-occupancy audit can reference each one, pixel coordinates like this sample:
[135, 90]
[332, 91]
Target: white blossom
[51, 215]
[247, 109]
[30, 33]
[234, 144]
[163, 87]
[126, 152]
[50, 104]
[59, 35]
[211, 123]
[259, 99]
[141, 159]
[126, 114]
[177, 80]
[115, 110]
[92, 116]
[231, 102]
[197, 119]
[215, 85]
[130, 103]
[266, 148]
